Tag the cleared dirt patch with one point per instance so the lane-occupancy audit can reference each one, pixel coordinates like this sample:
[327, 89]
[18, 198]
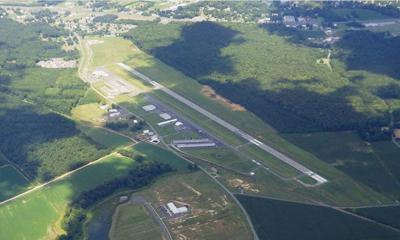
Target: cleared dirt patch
[209, 92]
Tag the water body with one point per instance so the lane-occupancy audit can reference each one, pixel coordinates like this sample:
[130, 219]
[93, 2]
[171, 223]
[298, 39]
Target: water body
[100, 224]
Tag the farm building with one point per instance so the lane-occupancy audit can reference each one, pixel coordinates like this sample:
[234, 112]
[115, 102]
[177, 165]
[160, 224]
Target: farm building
[173, 210]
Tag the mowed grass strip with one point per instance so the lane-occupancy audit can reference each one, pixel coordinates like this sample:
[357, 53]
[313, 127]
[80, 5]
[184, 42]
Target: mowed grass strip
[134, 222]
[104, 137]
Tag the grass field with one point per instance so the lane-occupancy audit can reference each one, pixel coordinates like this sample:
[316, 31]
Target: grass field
[280, 220]
[90, 113]
[102, 56]
[104, 137]
[3, 160]
[133, 222]
[11, 182]
[358, 14]
[225, 157]
[46, 206]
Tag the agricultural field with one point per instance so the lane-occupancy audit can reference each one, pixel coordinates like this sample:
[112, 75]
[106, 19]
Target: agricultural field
[50, 201]
[374, 164]
[47, 205]
[280, 220]
[386, 215]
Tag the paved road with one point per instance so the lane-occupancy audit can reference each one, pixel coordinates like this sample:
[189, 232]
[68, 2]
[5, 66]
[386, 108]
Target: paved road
[227, 125]
[141, 200]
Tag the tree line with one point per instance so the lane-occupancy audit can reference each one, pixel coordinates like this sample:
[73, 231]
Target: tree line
[78, 209]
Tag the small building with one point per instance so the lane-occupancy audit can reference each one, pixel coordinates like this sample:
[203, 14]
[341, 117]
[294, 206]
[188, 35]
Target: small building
[114, 114]
[123, 199]
[104, 106]
[149, 108]
[165, 116]
[396, 134]
[196, 145]
[256, 162]
[178, 124]
[167, 122]
[264, 20]
[99, 73]
[154, 139]
[289, 19]
[176, 210]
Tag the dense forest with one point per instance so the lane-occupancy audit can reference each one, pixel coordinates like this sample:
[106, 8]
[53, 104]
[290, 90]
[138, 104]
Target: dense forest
[41, 143]
[77, 212]
[34, 137]
[23, 45]
[279, 79]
